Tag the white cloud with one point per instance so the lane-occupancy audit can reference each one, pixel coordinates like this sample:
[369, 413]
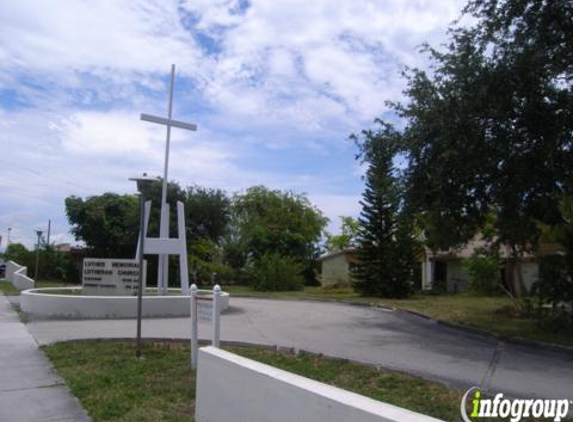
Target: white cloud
[112, 133]
[88, 36]
[335, 206]
[271, 79]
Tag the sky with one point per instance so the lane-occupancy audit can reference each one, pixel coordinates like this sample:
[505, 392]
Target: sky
[274, 86]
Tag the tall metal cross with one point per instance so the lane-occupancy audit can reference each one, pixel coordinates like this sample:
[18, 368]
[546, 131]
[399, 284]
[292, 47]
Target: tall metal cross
[163, 268]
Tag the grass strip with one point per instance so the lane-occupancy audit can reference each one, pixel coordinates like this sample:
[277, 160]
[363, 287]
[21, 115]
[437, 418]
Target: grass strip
[113, 386]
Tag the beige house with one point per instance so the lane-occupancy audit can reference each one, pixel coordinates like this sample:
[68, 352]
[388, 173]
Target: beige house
[447, 268]
[335, 267]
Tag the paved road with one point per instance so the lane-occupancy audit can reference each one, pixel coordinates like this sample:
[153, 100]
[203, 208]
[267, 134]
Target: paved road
[390, 339]
[29, 389]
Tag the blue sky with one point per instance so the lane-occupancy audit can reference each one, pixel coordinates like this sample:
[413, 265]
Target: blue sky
[274, 86]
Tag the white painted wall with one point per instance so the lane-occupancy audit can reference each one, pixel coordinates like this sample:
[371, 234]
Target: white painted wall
[38, 303]
[233, 388]
[530, 271]
[17, 275]
[335, 271]
[427, 274]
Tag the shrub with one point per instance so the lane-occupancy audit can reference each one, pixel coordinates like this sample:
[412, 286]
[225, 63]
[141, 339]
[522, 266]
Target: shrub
[274, 272]
[484, 273]
[555, 284]
[206, 273]
[53, 265]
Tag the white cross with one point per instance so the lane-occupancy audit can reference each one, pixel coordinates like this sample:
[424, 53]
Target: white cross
[163, 269]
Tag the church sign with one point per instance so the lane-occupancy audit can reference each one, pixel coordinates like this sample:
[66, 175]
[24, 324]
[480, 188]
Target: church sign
[111, 277]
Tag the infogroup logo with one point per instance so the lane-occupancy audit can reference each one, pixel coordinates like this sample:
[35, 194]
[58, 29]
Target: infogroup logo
[515, 409]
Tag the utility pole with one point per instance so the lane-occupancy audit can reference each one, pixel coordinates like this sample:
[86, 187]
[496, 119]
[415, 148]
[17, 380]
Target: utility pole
[39, 234]
[49, 230]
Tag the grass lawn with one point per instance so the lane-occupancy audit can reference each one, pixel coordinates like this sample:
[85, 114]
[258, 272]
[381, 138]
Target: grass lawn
[113, 386]
[493, 314]
[8, 289]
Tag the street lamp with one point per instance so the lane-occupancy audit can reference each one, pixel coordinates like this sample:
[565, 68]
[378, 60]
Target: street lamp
[143, 182]
[39, 234]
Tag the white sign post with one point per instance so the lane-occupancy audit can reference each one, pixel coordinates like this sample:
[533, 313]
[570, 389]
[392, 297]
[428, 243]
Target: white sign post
[206, 309]
[194, 327]
[216, 315]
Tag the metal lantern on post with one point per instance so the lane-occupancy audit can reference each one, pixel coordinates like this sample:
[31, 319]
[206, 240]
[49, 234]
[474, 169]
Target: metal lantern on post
[143, 183]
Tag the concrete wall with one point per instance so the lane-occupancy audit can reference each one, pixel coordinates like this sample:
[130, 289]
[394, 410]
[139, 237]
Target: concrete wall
[233, 388]
[41, 304]
[335, 270]
[17, 275]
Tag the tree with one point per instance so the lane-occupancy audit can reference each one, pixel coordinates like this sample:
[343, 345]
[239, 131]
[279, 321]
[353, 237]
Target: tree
[208, 212]
[284, 223]
[555, 284]
[489, 126]
[274, 272]
[347, 238]
[385, 251]
[108, 223]
[54, 265]
[19, 254]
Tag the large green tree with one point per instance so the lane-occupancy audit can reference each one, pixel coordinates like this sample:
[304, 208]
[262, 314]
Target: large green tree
[349, 229]
[489, 127]
[18, 253]
[208, 213]
[108, 223]
[386, 244]
[272, 221]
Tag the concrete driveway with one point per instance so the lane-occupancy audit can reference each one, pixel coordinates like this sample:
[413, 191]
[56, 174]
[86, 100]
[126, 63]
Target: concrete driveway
[394, 340]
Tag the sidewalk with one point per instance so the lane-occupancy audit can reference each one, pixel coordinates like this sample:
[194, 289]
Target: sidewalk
[29, 389]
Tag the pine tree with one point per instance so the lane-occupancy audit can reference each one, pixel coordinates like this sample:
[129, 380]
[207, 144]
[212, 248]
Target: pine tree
[385, 244]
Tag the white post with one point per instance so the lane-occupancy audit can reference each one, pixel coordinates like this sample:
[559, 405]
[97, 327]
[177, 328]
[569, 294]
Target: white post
[163, 267]
[163, 261]
[183, 269]
[216, 316]
[430, 274]
[194, 327]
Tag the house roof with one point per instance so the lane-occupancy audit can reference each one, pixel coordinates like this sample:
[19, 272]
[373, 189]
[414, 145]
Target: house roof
[469, 248]
[347, 251]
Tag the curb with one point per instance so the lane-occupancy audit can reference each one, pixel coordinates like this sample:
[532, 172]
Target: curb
[553, 347]
[313, 299]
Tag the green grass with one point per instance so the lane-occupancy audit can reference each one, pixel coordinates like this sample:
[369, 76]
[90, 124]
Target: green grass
[8, 289]
[114, 386]
[493, 314]
[51, 283]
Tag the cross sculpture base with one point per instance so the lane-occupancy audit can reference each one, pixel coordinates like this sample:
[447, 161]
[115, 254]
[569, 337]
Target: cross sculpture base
[165, 246]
